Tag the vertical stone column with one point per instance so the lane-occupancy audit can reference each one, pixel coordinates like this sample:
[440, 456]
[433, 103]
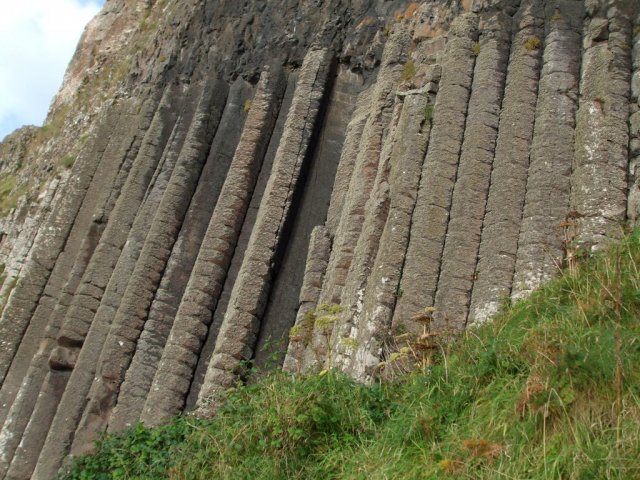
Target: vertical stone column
[471, 190]
[48, 245]
[424, 253]
[497, 256]
[541, 245]
[350, 321]
[315, 269]
[240, 328]
[356, 194]
[169, 386]
[599, 179]
[131, 316]
[73, 362]
[139, 376]
[364, 344]
[633, 205]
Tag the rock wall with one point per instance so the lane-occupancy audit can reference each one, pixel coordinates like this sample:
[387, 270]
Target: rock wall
[306, 185]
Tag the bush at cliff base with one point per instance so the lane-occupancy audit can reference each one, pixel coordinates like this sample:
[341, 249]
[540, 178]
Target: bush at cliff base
[548, 390]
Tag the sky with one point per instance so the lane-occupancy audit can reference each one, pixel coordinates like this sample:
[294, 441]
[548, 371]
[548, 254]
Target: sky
[37, 40]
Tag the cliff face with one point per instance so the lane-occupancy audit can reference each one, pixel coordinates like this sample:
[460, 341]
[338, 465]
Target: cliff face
[297, 183]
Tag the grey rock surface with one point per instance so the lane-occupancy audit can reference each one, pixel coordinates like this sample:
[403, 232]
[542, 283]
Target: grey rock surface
[543, 234]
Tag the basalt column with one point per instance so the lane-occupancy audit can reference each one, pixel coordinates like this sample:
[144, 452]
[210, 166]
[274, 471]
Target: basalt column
[314, 200]
[633, 207]
[493, 277]
[131, 316]
[239, 331]
[364, 344]
[541, 245]
[349, 320]
[73, 362]
[360, 186]
[599, 181]
[470, 193]
[180, 356]
[422, 263]
[49, 244]
[26, 375]
[315, 269]
[135, 387]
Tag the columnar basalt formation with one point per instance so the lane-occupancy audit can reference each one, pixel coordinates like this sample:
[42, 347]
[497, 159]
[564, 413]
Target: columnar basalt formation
[422, 265]
[165, 304]
[239, 331]
[543, 233]
[242, 243]
[307, 188]
[179, 358]
[130, 318]
[599, 179]
[467, 212]
[493, 277]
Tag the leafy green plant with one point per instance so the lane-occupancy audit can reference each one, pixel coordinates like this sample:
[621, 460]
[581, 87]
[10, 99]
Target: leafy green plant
[350, 343]
[139, 452]
[476, 48]
[323, 317]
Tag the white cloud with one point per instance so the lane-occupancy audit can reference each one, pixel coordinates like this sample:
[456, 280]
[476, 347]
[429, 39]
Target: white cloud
[37, 40]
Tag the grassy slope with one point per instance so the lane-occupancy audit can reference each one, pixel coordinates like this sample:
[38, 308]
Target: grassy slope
[539, 393]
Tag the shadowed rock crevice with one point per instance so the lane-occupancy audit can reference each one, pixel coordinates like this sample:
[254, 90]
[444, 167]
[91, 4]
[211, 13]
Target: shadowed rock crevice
[310, 203]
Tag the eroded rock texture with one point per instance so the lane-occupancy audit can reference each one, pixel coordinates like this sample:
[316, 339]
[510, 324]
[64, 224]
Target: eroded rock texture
[303, 185]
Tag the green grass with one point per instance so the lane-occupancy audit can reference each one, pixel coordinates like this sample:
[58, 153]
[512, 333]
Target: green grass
[408, 70]
[67, 162]
[9, 194]
[549, 390]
